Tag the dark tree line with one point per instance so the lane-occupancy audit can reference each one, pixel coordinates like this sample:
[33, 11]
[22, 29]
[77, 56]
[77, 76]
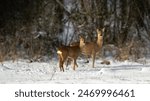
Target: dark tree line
[30, 28]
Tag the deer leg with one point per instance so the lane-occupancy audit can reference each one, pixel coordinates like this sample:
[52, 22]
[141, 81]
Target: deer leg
[68, 62]
[62, 66]
[74, 64]
[61, 62]
[93, 58]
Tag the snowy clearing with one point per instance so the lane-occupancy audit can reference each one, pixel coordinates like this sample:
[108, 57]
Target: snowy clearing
[48, 72]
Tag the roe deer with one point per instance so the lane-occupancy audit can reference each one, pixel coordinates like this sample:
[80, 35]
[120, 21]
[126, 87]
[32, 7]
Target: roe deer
[91, 48]
[65, 52]
[75, 44]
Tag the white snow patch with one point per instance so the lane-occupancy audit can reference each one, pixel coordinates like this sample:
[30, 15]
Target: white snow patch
[42, 72]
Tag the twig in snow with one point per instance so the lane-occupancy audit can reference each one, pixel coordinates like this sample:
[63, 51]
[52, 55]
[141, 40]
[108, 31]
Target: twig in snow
[54, 71]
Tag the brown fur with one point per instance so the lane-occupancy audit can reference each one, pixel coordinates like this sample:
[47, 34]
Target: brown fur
[91, 48]
[65, 52]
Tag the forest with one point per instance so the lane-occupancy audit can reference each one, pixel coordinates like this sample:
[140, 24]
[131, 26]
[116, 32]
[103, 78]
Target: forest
[31, 29]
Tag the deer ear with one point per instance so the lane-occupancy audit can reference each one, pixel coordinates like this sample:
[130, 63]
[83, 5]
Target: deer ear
[97, 30]
[103, 29]
[99, 33]
[80, 36]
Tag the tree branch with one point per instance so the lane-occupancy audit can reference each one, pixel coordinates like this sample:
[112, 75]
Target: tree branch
[66, 10]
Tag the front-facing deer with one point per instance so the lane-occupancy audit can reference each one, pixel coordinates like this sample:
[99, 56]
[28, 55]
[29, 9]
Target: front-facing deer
[91, 48]
[65, 52]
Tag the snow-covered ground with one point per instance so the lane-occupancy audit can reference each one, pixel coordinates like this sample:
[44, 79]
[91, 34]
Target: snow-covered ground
[48, 72]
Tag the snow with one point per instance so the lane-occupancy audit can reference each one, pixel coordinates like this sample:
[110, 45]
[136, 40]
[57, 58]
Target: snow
[22, 71]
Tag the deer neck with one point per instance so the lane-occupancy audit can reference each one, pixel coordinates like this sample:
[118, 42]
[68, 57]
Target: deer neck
[100, 41]
[81, 44]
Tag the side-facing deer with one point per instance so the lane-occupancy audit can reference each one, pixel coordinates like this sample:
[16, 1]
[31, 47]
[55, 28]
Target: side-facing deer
[91, 48]
[66, 52]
